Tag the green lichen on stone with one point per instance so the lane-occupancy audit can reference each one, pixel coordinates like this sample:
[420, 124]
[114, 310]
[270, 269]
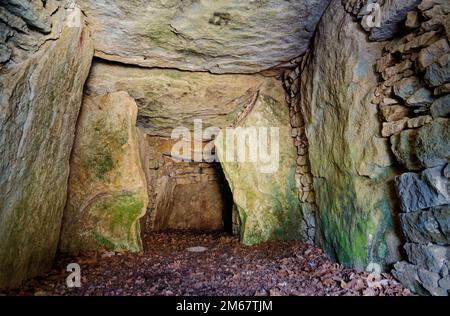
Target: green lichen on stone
[116, 213]
[101, 162]
[105, 140]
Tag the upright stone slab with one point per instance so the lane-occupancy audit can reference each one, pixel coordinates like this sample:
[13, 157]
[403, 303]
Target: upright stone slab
[107, 191]
[39, 103]
[264, 191]
[350, 162]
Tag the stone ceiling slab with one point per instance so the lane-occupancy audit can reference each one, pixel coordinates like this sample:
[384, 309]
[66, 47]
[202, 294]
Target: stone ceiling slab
[228, 36]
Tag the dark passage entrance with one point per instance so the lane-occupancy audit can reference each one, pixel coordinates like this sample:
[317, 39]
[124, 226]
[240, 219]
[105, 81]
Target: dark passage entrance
[183, 195]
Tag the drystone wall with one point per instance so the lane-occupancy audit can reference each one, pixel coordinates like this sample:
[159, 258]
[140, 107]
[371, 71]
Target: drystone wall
[303, 175]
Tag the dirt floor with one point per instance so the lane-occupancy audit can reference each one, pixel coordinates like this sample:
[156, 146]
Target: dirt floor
[167, 267]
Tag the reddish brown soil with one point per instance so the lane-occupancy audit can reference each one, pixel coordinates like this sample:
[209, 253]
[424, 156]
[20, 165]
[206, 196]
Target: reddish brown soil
[226, 268]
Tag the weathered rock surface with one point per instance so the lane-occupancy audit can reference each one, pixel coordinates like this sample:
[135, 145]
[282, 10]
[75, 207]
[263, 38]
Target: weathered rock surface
[264, 191]
[170, 98]
[349, 161]
[426, 147]
[182, 195]
[432, 53]
[427, 226]
[393, 15]
[441, 107]
[430, 257]
[229, 36]
[420, 191]
[40, 99]
[438, 73]
[406, 87]
[419, 280]
[26, 25]
[107, 191]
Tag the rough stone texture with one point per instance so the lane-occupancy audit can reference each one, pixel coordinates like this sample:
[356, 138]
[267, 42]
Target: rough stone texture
[418, 280]
[427, 226]
[438, 73]
[416, 67]
[419, 191]
[406, 87]
[349, 161]
[394, 127]
[303, 176]
[394, 112]
[264, 191]
[25, 26]
[40, 99]
[431, 257]
[432, 53]
[419, 121]
[441, 107]
[229, 36]
[426, 147]
[107, 191]
[171, 98]
[182, 195]
[393, 15]
[421, 97]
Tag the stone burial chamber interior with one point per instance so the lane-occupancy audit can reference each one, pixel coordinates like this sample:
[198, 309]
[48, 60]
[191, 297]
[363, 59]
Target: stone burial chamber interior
[93, 92]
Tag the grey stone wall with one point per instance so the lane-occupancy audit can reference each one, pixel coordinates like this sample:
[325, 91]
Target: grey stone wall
[414, 107]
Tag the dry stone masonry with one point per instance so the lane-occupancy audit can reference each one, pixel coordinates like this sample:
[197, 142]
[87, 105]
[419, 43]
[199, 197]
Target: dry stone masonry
[414, 106]
[303, 176]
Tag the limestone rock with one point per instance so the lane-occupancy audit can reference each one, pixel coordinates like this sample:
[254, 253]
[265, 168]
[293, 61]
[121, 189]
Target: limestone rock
[419, 121]
[394, 127]
[230, 36]
[420, 281]
[441, 107]
[430, 257]
[182, 194]
[32, 12]
[421, 191]
[412, 20]
[170, 98]
[394, 112]
[107, 191]
[432, 53]
[407, 274]
[438, 73]
[393, 15]
[443, 89]
[349, 161]
[427, 226]
[264, 190]
[40, 99]
[430, 282]
[421, 97]
[27, 25]
[406, 87]
[426, 147]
